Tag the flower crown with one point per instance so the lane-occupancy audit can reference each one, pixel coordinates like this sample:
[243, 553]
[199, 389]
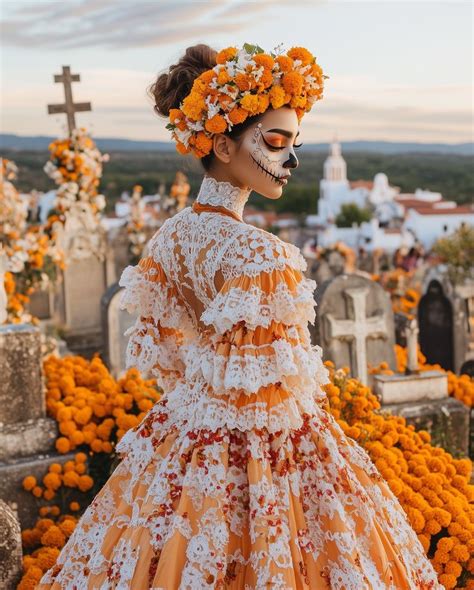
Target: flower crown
[243, 83]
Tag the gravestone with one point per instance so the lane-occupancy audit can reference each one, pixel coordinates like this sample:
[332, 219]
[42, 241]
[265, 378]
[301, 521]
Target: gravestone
[10, 548]
[41, 304]
[83, 282]
[354, 324]
[27, 435]
[435, 314]
[446, 314]
[115, 322]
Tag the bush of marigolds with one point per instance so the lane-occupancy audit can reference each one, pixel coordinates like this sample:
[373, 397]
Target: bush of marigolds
[93, 411]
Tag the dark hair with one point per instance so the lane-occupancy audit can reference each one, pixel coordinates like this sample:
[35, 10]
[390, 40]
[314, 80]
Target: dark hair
[172, 86]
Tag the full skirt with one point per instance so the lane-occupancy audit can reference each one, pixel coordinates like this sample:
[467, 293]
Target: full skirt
[301, 509]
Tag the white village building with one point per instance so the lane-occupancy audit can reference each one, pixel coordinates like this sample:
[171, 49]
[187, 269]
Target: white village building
[398, 219]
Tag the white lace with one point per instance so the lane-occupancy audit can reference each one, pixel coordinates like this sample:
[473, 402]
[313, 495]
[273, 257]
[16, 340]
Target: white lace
[224, 194]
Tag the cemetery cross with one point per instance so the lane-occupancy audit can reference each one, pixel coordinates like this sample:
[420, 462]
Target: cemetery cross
[68, 107]
[358, 329]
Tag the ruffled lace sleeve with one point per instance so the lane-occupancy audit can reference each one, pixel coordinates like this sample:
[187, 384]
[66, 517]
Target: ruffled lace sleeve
[163, 324]
[262, 345]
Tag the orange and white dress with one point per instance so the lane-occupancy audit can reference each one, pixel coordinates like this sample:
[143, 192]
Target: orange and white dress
[238, 478]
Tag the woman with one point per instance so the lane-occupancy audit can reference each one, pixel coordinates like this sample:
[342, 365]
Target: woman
[238, 478]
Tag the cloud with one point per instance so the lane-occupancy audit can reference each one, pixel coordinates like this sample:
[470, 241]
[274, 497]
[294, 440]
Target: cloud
[121, 25]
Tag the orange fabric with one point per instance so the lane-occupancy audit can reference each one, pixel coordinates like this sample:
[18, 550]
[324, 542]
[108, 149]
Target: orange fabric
[200, 207]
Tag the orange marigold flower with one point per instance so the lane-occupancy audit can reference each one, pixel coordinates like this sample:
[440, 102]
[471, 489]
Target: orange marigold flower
[175, 115]
[74, 506]
[226, 54]
[223, 77]
[250, 103]
[67, 527]
[285, 62]
[52, 480]
[244, 82]
[53, 537]
[302, 54]
[193, 106]
[203, 142]
[292, 82]
[263, 102]
[237, 115]
[265, 60]
[182, 149]
[277, 96]
[85, 483]
[29, 482]
[206, 77]
[71, 479]
[216, 124]
[37, 492]
[63, 445]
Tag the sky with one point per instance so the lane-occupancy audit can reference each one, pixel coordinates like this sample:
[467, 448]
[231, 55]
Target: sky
[399, 70]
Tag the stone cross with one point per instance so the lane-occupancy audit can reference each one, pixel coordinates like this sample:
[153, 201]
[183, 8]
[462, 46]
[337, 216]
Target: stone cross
[411, 334]
[68, 107]
[358, 329]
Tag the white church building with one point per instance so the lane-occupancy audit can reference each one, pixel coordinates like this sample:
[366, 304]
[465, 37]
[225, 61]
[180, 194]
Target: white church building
[398, 219]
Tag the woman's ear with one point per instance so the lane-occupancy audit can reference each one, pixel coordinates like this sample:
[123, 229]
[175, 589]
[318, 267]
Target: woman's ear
[222, 146]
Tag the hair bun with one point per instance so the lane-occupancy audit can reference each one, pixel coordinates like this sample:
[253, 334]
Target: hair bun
[171, 87]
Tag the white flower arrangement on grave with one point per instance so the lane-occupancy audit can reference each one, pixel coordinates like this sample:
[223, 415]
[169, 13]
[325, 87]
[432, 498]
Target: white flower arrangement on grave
[32, 255]
[75, 165]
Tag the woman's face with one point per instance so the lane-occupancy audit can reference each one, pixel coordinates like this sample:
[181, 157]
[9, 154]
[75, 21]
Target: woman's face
[265, 154]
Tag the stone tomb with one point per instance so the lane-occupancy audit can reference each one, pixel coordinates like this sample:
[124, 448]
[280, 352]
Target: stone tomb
[354, 324]
[27, 435]
[115, 322]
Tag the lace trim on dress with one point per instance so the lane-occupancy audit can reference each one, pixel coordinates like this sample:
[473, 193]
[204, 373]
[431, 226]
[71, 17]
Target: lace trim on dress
[258, 308]
[163, 323]
[223, 194]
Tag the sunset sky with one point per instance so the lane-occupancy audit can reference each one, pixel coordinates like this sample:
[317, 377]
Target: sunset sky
[398, 70]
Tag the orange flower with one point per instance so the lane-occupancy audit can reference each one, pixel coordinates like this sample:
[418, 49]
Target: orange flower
[244, 82]
[292, 82]
[302, 54]
[226, 54]
[265, 60]
[176, 115]
[217, 124]
[285, 62]
[250, 103]
[237, 115]
[181, 148]
[193, 106]
[203, 142]
[277, 96]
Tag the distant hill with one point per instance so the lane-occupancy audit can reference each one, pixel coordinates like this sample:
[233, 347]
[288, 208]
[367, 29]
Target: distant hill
[41, 142]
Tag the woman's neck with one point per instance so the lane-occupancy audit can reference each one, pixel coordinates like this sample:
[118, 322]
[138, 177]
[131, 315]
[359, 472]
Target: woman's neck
[224, 194]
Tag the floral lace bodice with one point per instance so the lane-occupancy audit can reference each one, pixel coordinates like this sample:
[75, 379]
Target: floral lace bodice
[208, 274]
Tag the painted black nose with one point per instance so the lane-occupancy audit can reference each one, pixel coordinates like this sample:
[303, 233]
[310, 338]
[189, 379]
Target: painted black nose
[292, 162]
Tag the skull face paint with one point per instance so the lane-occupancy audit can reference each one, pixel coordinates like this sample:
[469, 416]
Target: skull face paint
[266, 154]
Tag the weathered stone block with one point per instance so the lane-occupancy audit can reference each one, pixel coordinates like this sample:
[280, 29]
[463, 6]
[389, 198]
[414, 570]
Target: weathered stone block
[399, 388]
[447, 420]
[21, 397]
[27, 438]
[12, 474]
[10, 548]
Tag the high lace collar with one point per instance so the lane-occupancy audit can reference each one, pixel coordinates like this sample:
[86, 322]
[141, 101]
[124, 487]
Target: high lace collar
[223, 194]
